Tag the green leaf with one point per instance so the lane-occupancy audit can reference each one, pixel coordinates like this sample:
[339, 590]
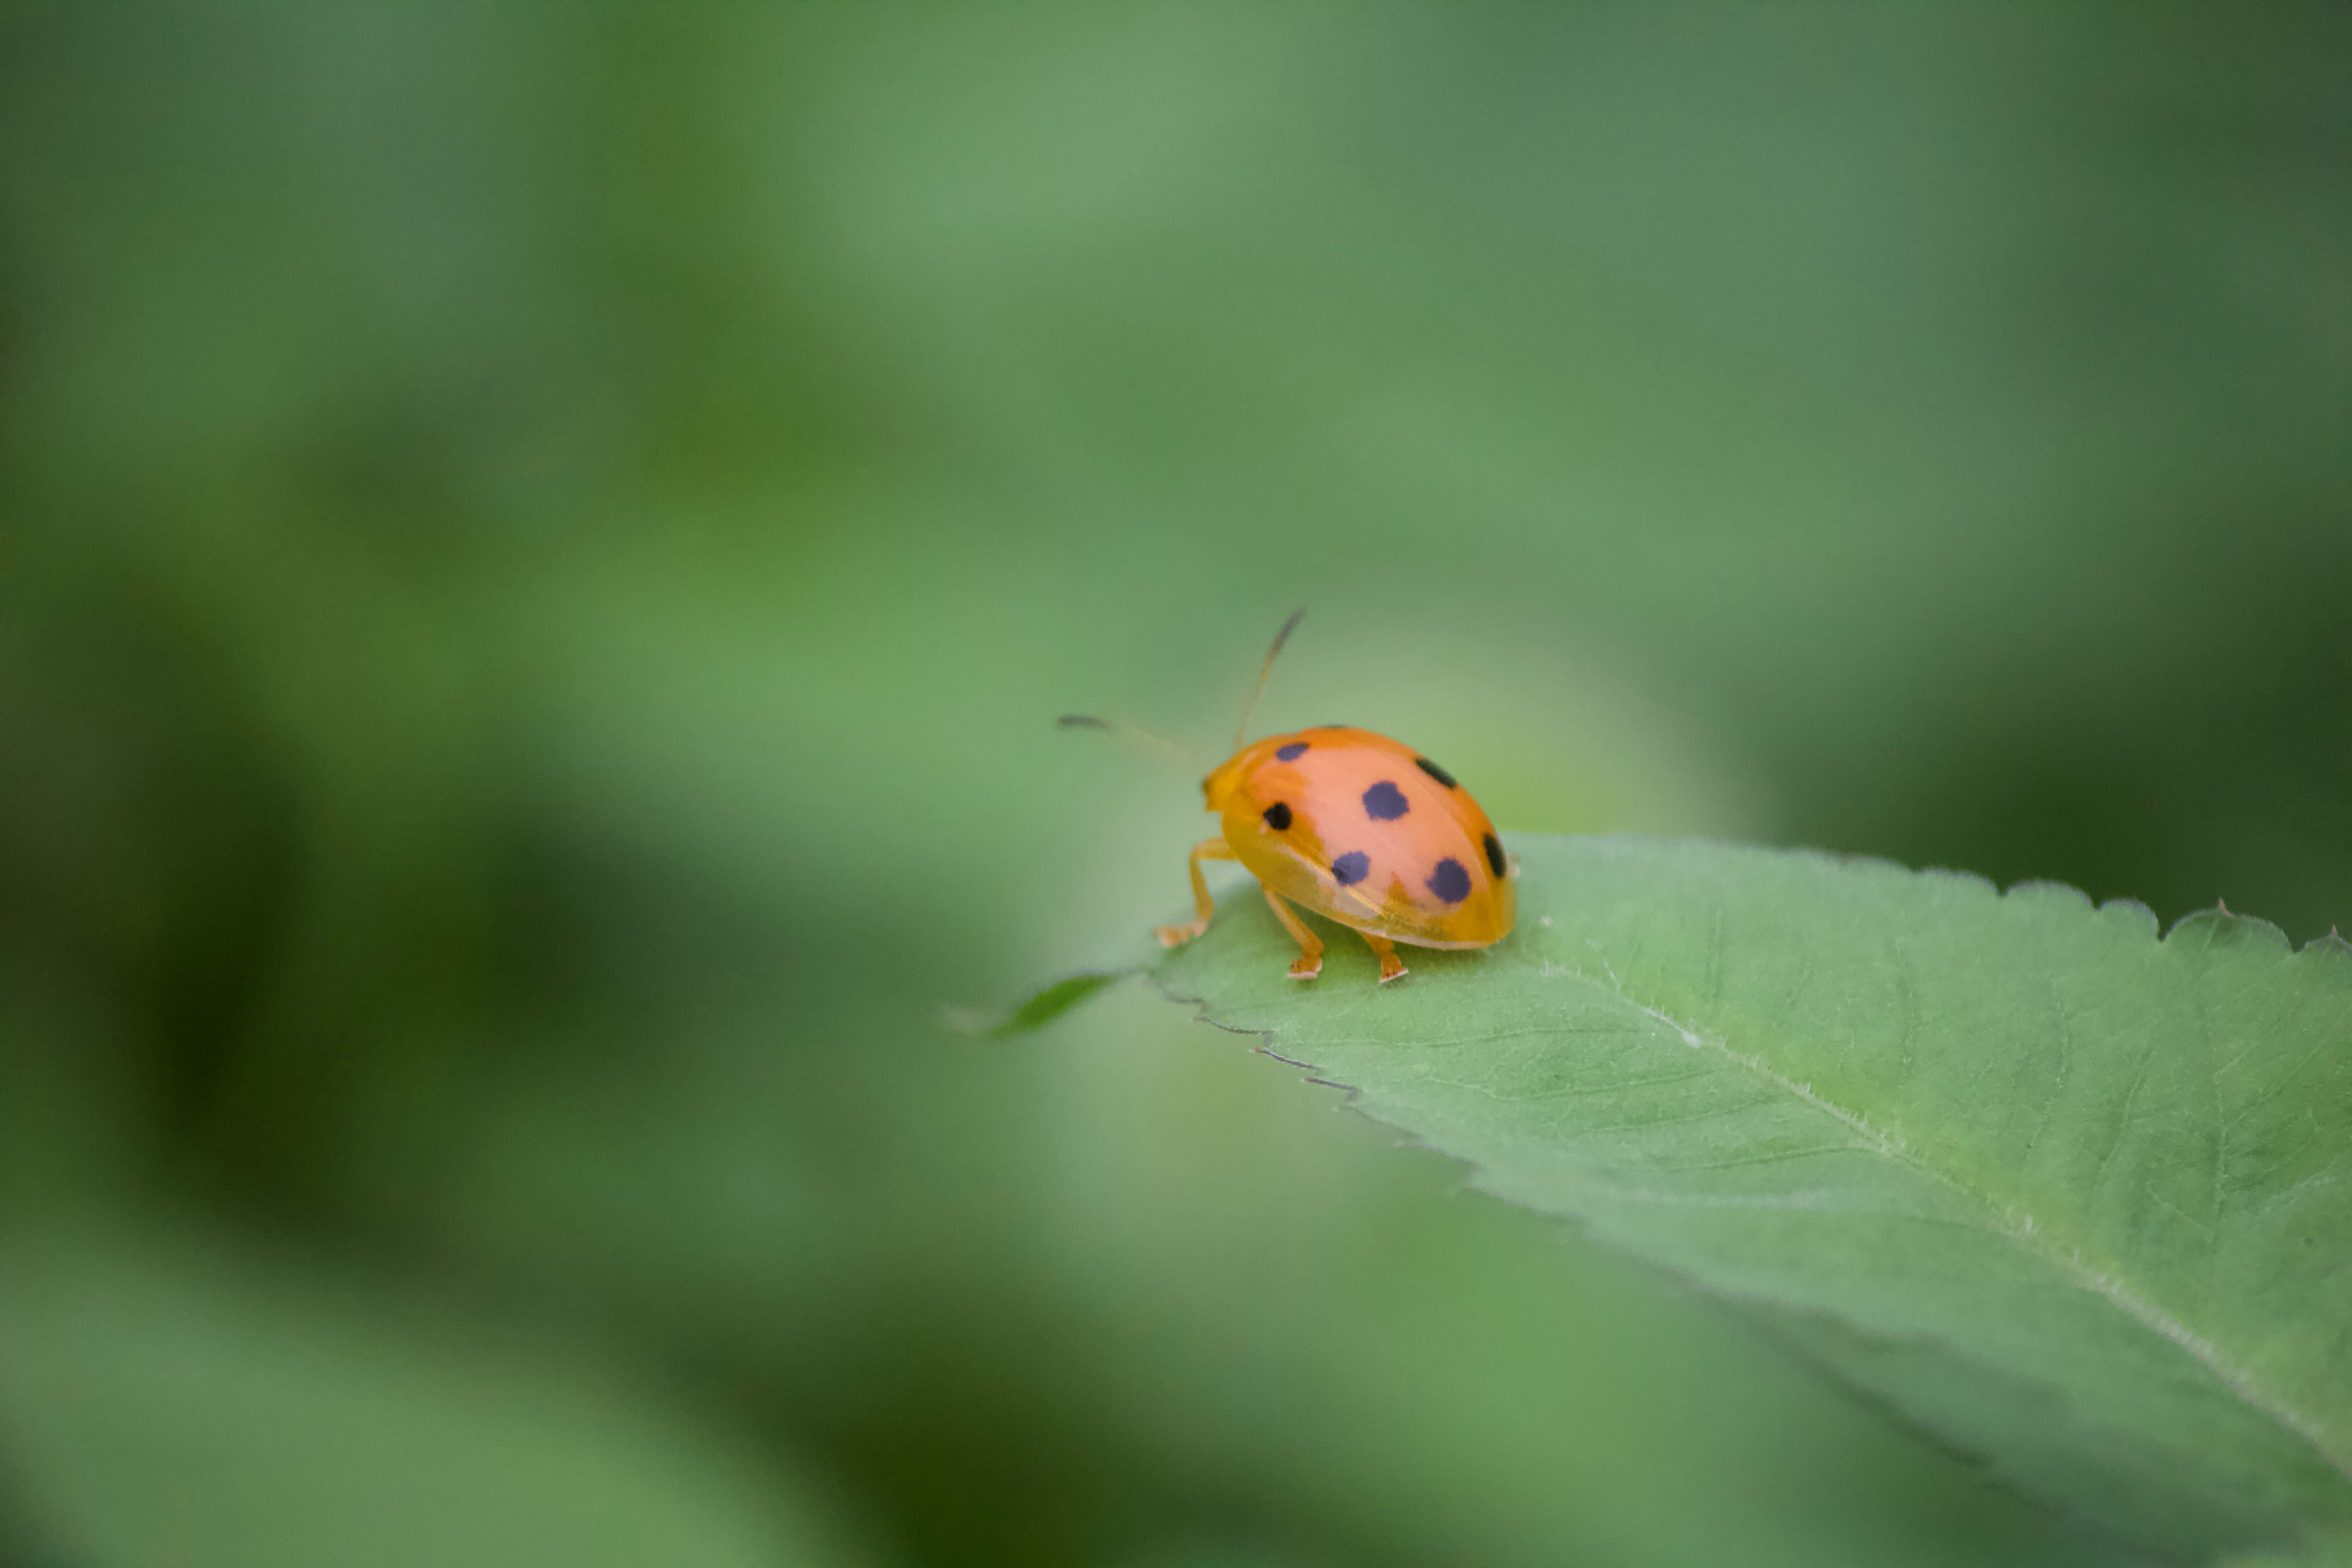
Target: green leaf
[162, 1406]
[2075, 1198]
[1044, 1004]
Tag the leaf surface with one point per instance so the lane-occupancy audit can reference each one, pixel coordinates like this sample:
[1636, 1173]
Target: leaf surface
[2077, 1197]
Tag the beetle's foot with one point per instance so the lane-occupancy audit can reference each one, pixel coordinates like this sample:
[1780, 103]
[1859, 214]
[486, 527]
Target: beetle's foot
[1306, 968]
[1177, 936]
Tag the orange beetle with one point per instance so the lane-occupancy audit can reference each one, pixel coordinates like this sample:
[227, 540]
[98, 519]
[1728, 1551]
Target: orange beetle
[1358, 828]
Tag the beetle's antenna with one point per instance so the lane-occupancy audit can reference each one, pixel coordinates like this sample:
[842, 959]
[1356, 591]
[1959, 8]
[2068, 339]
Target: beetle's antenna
[1159, 743]
[1241, 731]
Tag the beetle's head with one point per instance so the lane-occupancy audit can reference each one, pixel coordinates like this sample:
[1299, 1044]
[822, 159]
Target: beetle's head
[1219, 786]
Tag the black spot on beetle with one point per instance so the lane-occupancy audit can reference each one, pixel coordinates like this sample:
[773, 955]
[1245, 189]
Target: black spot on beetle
[1277, 817]
[1450, 881]
[1291, 752]
[1433, 771]
[1351, 868]
[1495, 855]
[1385, 802]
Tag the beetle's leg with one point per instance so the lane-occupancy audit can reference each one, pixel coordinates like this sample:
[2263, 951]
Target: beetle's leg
[1177, 936]
[1391, 966]
[1310, 946]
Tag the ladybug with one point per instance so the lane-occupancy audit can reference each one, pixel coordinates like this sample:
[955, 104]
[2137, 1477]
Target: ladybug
[1360, 830]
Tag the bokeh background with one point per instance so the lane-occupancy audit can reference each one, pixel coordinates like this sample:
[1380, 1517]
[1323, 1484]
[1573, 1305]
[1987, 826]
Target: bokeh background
[541, 549]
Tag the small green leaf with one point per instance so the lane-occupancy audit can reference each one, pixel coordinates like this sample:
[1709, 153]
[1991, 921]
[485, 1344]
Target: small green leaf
[1050, 1002]
[2078, 1198]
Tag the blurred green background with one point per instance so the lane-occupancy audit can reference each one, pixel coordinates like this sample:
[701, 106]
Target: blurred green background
[541, 547]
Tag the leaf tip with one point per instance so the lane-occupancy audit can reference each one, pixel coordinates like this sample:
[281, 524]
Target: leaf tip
[2332, 945]
[2220, 926]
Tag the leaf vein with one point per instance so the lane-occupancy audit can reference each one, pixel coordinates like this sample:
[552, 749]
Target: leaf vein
[2022, 1230]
